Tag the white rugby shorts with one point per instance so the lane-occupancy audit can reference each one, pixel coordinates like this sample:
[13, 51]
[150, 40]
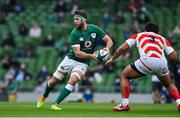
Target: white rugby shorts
[146, 65]
[69, 65]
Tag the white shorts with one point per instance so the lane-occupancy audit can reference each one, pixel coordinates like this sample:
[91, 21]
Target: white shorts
[157, 66]
[70, 65]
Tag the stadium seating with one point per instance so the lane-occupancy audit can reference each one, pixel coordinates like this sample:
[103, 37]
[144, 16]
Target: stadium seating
[37, 11]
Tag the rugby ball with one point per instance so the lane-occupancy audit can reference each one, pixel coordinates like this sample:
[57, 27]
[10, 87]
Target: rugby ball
[102, 55]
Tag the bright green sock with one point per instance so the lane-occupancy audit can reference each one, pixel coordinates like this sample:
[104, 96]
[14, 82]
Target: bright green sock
[65, 92]
[47, 90]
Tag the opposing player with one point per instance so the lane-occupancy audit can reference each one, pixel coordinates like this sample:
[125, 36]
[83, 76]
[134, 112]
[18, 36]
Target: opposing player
[151, 47]
[82, 40]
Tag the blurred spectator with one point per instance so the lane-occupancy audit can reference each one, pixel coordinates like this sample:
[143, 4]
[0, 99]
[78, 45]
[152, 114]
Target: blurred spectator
[11, 85]
[176, 30]
[88, 94]
[119, 18]
[61, 45]
[133, 5]
[75, 7]
[23, 30]
[10, 41]
[7, 7]
[2, 18]
[127, 32]
[10, 73]
[3, 92]
[175, 71]
[42, 74]
[9, 61]
[134, 85]
[126, 55]
[140, 16]
[18, 7]
[40, 86]
[117, 85]
[171, 38]
[30, 51]
[106, 19]
[61, 7]
[178, 8]
[157, 89]
[166, 98]
[51, 20]
[22, 74]
[49, 41]
[35, 31]
[2, 87]
[96, 72]
[109, 67]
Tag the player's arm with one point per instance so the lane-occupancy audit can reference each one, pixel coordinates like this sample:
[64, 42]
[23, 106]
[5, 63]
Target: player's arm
[173, 56]
[108, 42]
[120, 50]
[170, 51]
[80, 54]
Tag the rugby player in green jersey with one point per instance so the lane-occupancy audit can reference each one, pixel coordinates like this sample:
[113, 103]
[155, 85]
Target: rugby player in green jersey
[82, 40]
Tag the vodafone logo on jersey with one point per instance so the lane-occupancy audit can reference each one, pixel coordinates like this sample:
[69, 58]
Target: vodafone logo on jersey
[87, 44]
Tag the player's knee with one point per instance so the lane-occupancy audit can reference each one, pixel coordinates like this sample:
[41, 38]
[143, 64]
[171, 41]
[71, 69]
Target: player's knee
[78, 75]
[58, 75]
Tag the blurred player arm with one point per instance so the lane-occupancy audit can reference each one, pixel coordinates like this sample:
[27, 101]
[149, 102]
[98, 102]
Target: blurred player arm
[170, 51]
[173, 56]
[120, 50]
[80, 54]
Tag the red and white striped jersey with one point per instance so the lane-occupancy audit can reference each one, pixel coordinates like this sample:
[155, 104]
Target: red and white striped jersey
[150, 44]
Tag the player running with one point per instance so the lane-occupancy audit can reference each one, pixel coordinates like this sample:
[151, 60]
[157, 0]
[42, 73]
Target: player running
[151, 47]
[82, 40]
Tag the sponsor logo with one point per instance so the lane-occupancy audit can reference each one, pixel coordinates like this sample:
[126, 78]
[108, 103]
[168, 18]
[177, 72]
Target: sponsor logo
[81, 39]
[93, 35]
[87, 44]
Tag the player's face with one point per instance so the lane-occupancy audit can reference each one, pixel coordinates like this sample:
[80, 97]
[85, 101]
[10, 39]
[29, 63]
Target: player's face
[78, 23]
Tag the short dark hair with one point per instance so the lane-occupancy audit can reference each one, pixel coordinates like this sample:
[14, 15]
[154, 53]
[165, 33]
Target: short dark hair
[151, 27]
[81, 13]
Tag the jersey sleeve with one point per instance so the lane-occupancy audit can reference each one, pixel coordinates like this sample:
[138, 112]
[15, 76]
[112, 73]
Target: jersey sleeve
[167, 47]
[132, 40]
[74, 40]
[100, 32]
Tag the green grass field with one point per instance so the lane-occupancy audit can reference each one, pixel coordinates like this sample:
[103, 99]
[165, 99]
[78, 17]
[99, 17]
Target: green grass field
[87, 110]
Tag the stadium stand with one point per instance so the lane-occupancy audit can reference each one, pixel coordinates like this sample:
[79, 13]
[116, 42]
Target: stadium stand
[30, 51]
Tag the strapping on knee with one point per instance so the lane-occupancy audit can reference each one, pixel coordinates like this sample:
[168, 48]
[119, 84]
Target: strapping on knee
[58, 75]
[77, 75]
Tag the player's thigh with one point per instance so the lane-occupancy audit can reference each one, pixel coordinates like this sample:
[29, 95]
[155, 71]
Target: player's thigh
[64, 67]
[130, 73]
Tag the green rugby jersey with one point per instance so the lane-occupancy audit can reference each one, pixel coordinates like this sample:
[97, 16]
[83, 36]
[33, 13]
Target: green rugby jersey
[86, 40]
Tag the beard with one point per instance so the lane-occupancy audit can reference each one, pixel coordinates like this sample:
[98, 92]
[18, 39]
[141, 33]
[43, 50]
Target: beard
[80, 26]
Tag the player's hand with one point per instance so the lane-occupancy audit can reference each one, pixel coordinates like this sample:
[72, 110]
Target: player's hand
[107, 49]
[109, 61]
[93, 56]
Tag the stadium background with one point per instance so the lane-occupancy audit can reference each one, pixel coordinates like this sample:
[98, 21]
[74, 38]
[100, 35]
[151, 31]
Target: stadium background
[28, 59]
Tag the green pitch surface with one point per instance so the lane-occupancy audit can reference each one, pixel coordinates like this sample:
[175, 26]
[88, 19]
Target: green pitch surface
[87, 110]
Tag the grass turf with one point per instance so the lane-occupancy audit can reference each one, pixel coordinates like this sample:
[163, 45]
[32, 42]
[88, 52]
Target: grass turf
[87, 110]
